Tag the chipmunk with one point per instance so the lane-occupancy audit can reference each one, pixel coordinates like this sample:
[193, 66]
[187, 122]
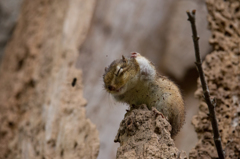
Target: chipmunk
[134, 80]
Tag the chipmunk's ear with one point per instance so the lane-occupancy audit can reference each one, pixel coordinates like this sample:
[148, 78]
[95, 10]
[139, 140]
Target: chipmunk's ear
[124, 59]
[106, 69]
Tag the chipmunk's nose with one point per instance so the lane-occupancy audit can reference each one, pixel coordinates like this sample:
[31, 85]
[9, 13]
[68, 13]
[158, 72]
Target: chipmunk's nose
[111, 88]
[134, 54]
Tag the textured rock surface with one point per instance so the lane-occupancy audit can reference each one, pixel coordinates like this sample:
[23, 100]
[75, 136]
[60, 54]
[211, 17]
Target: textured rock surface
[41, 114]
[146, 134]
[222, 70]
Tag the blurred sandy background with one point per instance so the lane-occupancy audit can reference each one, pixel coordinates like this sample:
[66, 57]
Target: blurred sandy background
[158, 29]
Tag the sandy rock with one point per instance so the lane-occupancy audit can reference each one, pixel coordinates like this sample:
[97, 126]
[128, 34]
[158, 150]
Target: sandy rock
[41, 114]
[146, 134]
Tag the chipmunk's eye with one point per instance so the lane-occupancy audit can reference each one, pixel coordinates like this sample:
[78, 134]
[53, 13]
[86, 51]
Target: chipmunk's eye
[119, 71]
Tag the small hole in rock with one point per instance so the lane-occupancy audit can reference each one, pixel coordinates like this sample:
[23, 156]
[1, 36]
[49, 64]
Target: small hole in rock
[75, 144]
[31, 83]
[10, 124]
[74, 82]
[226, 88]
[18, 95]
[62, 153]
[4, 133]
[20, 64]
[237, 9]
[129, 122]
[223, 24]
[227, 33]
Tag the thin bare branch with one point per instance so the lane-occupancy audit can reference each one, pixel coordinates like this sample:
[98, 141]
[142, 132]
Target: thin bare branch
[211, 103]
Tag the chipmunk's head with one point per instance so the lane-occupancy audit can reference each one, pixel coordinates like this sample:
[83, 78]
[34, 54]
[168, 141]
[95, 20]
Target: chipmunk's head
[120, 75]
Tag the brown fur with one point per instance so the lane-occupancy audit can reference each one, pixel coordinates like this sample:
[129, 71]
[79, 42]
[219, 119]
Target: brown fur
[125, 80]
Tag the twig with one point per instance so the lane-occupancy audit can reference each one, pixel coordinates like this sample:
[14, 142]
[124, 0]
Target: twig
[211, 103]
